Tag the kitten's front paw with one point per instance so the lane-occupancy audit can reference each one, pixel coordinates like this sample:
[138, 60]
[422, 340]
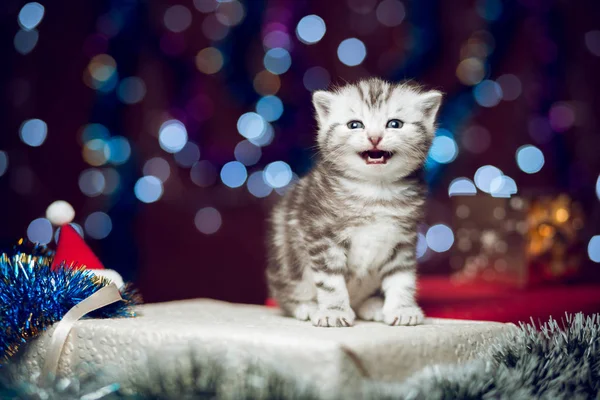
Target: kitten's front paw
[333, 318]
[403, 316]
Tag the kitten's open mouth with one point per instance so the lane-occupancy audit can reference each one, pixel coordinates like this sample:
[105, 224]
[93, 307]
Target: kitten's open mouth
[376, 156]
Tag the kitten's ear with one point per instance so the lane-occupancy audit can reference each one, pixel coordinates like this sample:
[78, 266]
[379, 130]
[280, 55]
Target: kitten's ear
[430, 103]
[322, 101]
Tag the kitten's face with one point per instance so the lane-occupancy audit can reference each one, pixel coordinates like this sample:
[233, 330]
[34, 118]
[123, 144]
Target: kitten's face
[376, 130]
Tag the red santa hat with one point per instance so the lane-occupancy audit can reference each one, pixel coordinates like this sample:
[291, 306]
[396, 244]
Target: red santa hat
[73, 251]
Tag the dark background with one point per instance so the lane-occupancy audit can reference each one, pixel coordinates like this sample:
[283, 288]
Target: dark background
[551, 47]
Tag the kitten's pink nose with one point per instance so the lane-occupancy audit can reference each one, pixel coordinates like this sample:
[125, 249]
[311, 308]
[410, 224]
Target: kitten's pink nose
[375, 139]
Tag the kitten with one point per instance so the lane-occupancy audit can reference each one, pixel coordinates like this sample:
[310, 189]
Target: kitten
[343, 238]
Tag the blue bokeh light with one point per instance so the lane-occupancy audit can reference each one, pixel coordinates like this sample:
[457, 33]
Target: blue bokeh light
[189, 155]
[594, 249]
[119, 150]
[3, 162]
[462, 187]
[503, 186]
[251, 125]
[490, 10]
[98, 225]
[270, 108]
[311, 29]
[352, 52]
[257, 185]
[25, 41]
[443, 150]
[488, 93]
[33, 132]
[131, 90]
[316, 78]
[278, 174]
[31, 15]
[94, 131]
[439, 238]
[277, 61]
[172, 136]
[234, 174]
[247, 153]
[484, 177]
[148, 189]
[40, 231]
[530, 159]
[597, 184]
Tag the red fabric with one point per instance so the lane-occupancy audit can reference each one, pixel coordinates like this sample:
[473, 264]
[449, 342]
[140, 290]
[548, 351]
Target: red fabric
[72, 250]
[441, 298]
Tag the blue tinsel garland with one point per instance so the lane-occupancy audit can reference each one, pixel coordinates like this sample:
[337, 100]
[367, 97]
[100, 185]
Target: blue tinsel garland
[33, 296]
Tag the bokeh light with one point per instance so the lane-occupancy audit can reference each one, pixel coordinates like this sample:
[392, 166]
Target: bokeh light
[462, 187]
[187, 156]
[234, 174]
[594, 249]
[101, 73]
[597, 182]
[40, 231]
[92, 182]
[316, 78]
[3, 162]
[277, 61]
[206, 6]
[25, 41]
[172, 136]
[592, 42]
[443, 150]
[503, 186]
[177, 18]
[362, 7]
[94, 131]
[278, 174]
[265, 138]
[470, 71]
[31, 15]
[352, 52]
[98, 225]
[158, 167]
[112, 180]
[310, 29]
[270, 108]
[561, 117]
[277, 38]
[148, 189]
[390, 12]
[439, 238]
[119, 150]
[203, 173]
[484, 177]
[488, 93]
[230, 12]
[96, 152]
[60, 212]
[247, 153]
[251, 125]
[131, 90]
[530, 159]
[214, 29]
[209, 60]
[257, 185]
[511, 87]
[421, 247]
[476, 139]
[489, 10]
[208, 220]
[33, 132]
[266, 83]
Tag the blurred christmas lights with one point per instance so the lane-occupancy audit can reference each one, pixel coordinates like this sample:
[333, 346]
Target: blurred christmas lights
[594, 249]
[251, 125]
[443, 150]
[390, 13]
[172, 136]
[158, 167]
[234, 174]
[488, 93]
[476, 139]
[177, 18]
[60, 212]
[311, 29]
[187, 156]
[484, 177]
[278, 174]
[3, 162]
[25, 41]
[462, 187]
[277, 61]
[316, 78]
[247, 153]
[270, 108]
[257, 185]
[98, 225]
[131, 90]
[92, 182]
[209, 60]
[148, 189]
[203, 173]
[439, 238]
[352, 52]
[592, 42]
[31, 15]
[530, 159]
[40, 231]
[33, 132]
[208, 220]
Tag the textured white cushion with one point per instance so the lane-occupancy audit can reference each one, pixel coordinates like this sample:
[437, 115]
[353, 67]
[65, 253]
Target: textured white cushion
[335, 359]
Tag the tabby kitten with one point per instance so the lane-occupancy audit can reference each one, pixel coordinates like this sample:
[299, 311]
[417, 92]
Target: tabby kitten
[343, 238]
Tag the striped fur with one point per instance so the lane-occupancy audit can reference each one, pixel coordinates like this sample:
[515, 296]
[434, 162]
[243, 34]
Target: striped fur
[343, 239]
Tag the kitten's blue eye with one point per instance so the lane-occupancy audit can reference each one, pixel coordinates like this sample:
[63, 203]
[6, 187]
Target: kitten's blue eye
[355, 125]
[394, 124]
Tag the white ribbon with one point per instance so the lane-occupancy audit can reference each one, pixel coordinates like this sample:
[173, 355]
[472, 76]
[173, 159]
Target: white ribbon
[103, 297]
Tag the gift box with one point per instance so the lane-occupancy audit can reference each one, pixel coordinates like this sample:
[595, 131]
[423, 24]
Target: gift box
[168, 338]
[519, 241]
